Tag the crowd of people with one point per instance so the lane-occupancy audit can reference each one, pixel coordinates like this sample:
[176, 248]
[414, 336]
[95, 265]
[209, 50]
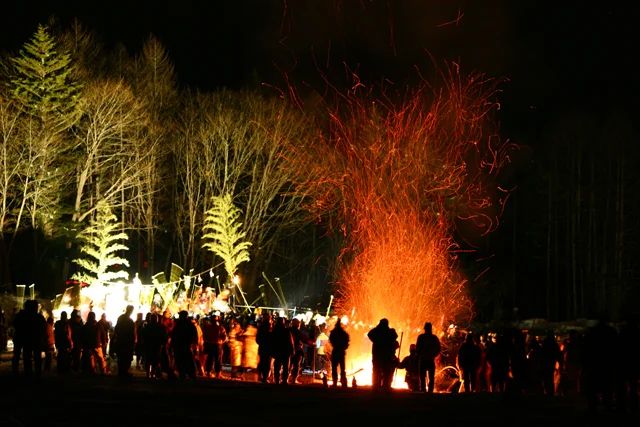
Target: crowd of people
[600, 362]
[269, 348]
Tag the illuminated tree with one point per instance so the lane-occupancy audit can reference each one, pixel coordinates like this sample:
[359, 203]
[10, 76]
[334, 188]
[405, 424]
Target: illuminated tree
[11, 164]
[235, 143]
[111, 148]
[42, 82]
[154, 85]
[43, 87]
[100, 245]
[223, 235]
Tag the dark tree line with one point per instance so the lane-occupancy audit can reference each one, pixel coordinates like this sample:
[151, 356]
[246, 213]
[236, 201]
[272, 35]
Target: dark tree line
[156, 153]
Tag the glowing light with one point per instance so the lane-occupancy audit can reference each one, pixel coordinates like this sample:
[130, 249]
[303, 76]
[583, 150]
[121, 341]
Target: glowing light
[402, 175]
[319, 319]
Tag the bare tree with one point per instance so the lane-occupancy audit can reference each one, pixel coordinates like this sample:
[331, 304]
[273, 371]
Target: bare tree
[111, 148]
[11, 163]
[154, 84]
[233, 143]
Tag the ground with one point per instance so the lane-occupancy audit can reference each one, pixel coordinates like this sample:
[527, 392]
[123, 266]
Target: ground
[109, 401]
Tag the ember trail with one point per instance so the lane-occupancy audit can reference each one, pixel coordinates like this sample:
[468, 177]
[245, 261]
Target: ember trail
[396, 177]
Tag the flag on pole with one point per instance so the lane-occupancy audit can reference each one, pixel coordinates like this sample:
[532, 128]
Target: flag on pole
[146, 294]
[176, 273]
[158, 278]
[180, 294]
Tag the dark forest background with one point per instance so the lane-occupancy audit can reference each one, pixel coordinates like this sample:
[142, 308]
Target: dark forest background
[567, 245]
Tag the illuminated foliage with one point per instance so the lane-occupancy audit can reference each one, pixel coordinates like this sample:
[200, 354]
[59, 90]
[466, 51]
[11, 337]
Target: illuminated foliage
[235, 143]
[43, 84]
[223, 235]
[100, 245]
[43, 88]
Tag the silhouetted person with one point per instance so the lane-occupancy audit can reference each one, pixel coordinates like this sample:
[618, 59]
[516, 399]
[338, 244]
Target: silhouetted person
[383, 352]
[339, 339]
[139, 324]
[518, 358]
[550, 356]
[282, 351]
[214, 335]
[92, 338]
[183, 338]
[166, 358]
[75, 322]
[31, 329]
[600, 351]
[498, 360]
[63, 342]
[264, 339]
[50, 344]
[105, 334]
[19, 337]
[124, 341]
[154, 339]
[249, 348]
[469, 356]
[428, 348]
[235, 347]
[572, 364]
[3, 331]
[300, 340]
[411, 365]
[629, 368]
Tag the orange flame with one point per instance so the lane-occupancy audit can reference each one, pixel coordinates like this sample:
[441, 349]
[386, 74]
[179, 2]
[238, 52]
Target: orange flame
[400, 176]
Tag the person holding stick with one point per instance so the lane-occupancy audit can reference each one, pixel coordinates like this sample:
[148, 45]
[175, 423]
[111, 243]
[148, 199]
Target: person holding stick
[384, 344]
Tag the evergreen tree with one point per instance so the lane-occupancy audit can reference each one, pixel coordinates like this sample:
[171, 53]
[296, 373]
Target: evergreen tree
[100, 245]
[223, 236]
[43, 84]
[43, 87]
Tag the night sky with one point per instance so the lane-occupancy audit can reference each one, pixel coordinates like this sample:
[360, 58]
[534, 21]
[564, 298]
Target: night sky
[555, 55]
[556, 60]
